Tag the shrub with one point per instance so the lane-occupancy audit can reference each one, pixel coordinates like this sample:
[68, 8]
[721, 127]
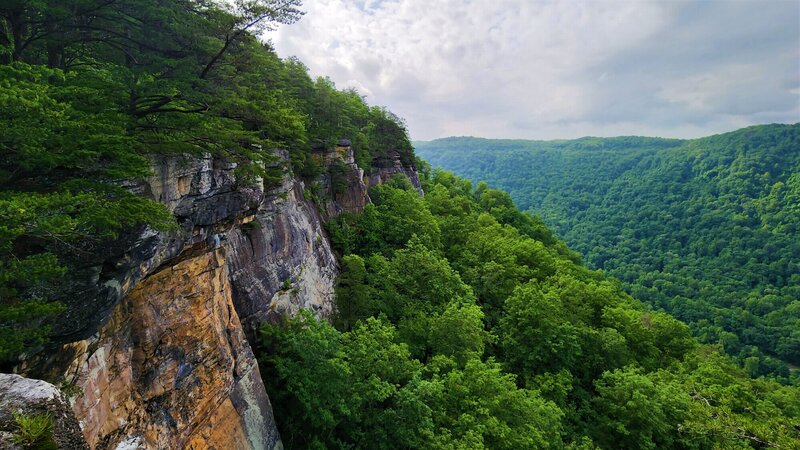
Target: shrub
[35, 431]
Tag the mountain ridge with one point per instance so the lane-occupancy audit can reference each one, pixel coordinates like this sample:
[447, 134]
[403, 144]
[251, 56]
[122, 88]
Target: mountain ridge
[608, 204]
[424, 142]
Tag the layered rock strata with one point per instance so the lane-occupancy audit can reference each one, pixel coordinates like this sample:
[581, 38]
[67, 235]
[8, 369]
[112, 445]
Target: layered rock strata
[156, 347]
[172, 368]
[390, 167]
[281, 261]
[346, 186]
[342, 182]
[163, 360]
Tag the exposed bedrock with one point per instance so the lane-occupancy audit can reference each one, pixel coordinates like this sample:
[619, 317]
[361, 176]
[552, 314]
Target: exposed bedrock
[156, 348]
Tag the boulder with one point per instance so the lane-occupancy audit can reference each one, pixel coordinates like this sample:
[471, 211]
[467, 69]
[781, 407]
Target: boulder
[29, 397]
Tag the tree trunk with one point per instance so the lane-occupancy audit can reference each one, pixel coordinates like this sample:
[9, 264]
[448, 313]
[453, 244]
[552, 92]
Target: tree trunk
[55, 46]
[5, 55]
[18, 27]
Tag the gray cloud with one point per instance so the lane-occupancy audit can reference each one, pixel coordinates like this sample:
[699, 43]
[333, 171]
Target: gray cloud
[559, 69]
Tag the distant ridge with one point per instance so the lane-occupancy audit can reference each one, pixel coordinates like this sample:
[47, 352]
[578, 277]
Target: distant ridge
[705, 228]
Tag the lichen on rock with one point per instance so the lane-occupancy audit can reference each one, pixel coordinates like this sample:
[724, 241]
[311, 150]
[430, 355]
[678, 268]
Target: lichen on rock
[29, 397]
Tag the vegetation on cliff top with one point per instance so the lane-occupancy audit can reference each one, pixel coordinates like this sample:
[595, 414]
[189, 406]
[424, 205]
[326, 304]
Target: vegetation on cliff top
[462, 323]
[705, 229]
[89, 89]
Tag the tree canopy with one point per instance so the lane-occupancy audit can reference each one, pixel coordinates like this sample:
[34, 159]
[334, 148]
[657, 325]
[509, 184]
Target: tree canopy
[92, 90]
[459, 330]
[705, 229]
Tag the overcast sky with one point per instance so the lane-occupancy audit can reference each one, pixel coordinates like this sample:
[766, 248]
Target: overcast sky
[559, 69]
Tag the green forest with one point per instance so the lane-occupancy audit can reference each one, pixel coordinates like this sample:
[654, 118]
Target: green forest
[463, 323]
[91, 90]
[460, 321]
[705, 229]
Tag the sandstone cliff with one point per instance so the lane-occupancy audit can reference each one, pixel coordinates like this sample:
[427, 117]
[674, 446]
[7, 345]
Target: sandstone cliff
[156, 349]
[281, 261]
[342, 182]
[350, 192]
[390, 166]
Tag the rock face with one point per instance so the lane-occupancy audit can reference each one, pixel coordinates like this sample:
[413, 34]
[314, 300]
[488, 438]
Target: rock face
[392, 166]
[157, 346]
[205, 199]
[343, 182]
[346, 186]
[164, 361]
[281, 261]
[31, 397]
[172, 368]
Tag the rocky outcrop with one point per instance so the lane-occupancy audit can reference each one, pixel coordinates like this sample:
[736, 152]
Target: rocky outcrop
[342, 183]
[172, 368]
[203, 195]
[345, 186]
[30, 398]
[390, 166]
[281, 261]
[156, 351]
[156, 345]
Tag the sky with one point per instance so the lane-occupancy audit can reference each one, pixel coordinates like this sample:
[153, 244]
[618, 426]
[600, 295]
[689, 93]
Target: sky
[529, 69]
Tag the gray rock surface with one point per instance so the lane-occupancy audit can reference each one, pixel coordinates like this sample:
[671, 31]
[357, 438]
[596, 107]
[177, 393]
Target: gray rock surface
[157, 343]
[28, 396]
[392, 167]
[282, 260]
[154, 344]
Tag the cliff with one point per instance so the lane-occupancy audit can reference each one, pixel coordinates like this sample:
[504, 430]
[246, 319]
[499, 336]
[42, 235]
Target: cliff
[345, 185]
[386, 168]
[282, 260]
[171, 364]
[342, 182]
[157, 348]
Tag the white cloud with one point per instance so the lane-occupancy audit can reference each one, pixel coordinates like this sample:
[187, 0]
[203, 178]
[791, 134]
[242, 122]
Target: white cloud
[547, 69]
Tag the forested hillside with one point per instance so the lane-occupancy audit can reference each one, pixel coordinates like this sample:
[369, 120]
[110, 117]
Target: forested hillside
[462, 323]
[705, 229]
[90, 91]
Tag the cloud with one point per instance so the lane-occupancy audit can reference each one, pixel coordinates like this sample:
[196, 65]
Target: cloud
[559, 69]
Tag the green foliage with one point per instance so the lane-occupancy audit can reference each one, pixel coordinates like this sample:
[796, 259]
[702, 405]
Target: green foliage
[91, 89]
[535, 335]
[388, 132]
[704, 229]
[375, 133]
[353, 294]
[56, 191]
[633, 412]
[491, 337]
[462, 322]
[735, 411]
[458, 332]
[338, 173]
[253, 225]
[34, 432]
[480, 407]
[339, 387]
[361, 388]
[386, 224]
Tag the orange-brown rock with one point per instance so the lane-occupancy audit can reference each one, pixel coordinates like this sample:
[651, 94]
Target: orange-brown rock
[172, 368]
[154, 341]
